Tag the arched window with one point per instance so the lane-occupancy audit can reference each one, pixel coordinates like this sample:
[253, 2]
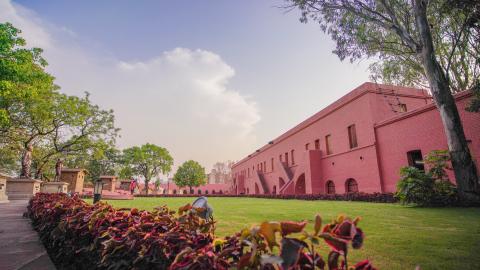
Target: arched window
[199, 191]
[184, 191]
[192, 191]
[351, 185]
[206, 192]
[174, 191]
[221, 192]
[330, 187]
[274, 190]
[248, 191]
[213, 191]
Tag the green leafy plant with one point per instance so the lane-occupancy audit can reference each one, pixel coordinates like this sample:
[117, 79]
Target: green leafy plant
[431, 188]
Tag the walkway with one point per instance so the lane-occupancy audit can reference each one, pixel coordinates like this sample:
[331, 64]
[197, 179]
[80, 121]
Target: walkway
[20, 246]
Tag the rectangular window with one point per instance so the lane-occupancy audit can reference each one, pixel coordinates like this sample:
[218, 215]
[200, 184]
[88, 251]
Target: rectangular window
[415, 159]
[286, 158]
[292, 156]
[307, 146]
[317, 144]
[352, 136]
[328, 144]
[272, 163]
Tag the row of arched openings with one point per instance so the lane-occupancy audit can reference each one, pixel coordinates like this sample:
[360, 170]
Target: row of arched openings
[351, 186]
[193, 192]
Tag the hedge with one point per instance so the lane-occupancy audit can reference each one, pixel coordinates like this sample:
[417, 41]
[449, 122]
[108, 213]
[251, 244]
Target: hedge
[358, 196]
[78, 235]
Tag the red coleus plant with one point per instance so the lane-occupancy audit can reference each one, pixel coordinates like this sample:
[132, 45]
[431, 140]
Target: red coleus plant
[83, 236]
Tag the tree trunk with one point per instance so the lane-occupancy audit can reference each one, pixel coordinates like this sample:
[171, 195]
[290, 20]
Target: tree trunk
[464, 168]
[146, 186]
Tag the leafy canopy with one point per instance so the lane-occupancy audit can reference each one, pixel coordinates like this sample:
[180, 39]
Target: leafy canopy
[386, 31]
[35, 115]
[148, 160]
[190, 174]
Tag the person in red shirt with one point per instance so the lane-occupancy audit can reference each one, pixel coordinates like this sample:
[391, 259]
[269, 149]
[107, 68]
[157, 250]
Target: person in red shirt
[133, 184]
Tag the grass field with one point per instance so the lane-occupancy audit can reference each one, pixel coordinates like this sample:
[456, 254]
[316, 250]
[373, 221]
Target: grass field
[397, 237]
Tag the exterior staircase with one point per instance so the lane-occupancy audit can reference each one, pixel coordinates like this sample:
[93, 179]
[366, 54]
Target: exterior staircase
[263, 182]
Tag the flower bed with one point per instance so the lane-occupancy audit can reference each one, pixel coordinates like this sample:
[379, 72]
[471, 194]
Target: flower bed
[78, 235]
[359, 196]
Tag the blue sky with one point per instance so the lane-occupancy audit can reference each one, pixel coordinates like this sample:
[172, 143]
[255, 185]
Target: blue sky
[209, 80]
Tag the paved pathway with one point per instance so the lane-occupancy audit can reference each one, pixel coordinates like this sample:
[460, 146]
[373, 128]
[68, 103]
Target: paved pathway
[20, 246]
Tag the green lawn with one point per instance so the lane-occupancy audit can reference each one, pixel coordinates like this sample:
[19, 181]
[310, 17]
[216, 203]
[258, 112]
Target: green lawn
[397, 237]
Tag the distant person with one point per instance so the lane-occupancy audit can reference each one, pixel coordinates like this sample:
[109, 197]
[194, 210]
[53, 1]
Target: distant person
[133, 185]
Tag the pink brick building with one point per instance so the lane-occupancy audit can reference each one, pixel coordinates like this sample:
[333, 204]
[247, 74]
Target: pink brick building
[358, 143]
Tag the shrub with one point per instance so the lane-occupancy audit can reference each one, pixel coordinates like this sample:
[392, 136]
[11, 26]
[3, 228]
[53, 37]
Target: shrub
[431, 188]
[78, 235]
[415, 187]
[357, 196]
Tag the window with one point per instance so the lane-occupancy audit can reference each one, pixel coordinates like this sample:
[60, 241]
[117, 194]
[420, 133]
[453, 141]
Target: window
[272, 163]
[415, 159]
[286, 158]
[213, 191]
[292, 156]
[174, 191]
[317, 144]
[352, 136]
[199, 191]
[330, 187]
[328, 144]
[264, 166]
[307, 146]
[351, 185]
[206, 191]
[402, 107]
[280, 158]
[248, 172]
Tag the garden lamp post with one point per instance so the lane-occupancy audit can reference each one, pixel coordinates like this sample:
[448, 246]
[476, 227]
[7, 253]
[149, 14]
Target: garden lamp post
[97, 190]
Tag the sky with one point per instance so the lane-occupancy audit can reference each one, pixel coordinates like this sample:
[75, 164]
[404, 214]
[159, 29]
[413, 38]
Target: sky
[208, 80]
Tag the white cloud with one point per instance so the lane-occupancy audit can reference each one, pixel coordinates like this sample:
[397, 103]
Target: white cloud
[179, 99]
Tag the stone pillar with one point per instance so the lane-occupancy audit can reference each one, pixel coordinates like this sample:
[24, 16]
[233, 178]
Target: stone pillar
[22, 188]
[74, 178]
[109, 182]
[3, 189]
[55, 187]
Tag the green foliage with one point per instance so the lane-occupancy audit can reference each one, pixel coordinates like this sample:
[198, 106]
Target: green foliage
[34, 115]
[387, 31]
[148, 160]
[432, 188]
[438, 161]
[190, 174]
[415, 187]
[474, 105]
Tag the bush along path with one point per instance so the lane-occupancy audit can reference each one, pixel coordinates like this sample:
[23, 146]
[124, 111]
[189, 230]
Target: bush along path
[78, 235]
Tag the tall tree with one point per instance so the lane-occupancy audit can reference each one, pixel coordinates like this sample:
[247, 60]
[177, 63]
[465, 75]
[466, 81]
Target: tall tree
[190, 174]
[148, 161]
[36, 121]
[26, 91]
[419, 42]
[77, 127]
